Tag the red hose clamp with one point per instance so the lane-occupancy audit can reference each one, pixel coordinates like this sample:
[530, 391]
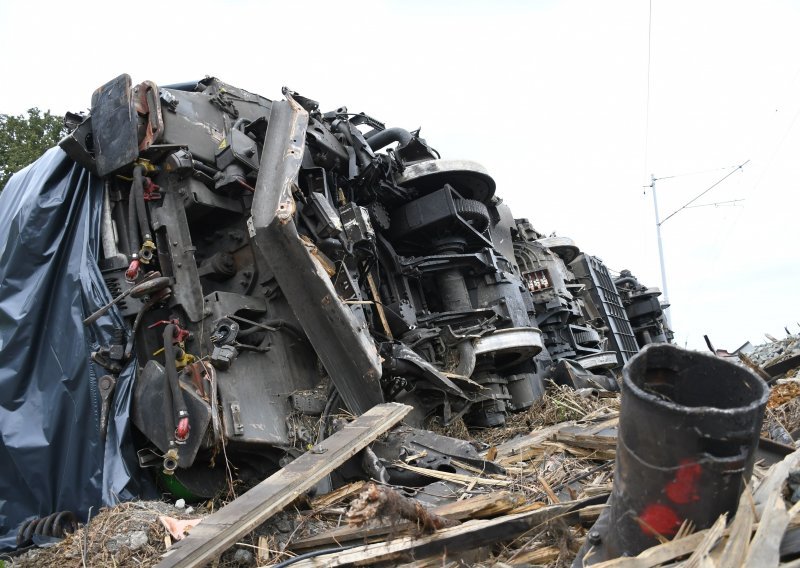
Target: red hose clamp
[151, 190]
[133, 270]
[182, 431]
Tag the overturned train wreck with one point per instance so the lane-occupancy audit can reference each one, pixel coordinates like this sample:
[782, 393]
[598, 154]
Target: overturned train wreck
[274, 262]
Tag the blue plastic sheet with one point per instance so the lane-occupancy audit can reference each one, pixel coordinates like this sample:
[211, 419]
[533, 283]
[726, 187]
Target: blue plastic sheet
[51, 455]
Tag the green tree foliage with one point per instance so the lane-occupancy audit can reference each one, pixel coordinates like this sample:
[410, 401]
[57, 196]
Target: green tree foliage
[24, 138]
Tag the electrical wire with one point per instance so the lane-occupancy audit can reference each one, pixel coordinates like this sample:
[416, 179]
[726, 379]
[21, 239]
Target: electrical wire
[696, 173]
[716, 204]
[712, 186]
[647, 99]
[313, 554]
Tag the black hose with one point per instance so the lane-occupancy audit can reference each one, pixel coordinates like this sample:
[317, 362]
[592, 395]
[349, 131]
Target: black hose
[286, 326]
[178, 404]
[626, 280]
[133, 226]
[208, 170]
[141, 212]
[314, 554]
[383, 138]
[343, 127]
[154, 299]
[190, 86]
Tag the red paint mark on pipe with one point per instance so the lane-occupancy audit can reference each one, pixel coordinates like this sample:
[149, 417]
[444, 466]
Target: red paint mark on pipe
[659, 519]
[683, 489]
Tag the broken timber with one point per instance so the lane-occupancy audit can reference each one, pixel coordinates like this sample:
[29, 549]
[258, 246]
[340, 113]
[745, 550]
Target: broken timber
[483, 506]
[220, 530]
[468, 536]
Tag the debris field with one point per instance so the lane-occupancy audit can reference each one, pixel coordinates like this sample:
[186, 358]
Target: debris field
[324, 344]
[558, 460]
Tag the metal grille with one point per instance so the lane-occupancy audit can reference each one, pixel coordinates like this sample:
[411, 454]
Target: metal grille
[604, 294]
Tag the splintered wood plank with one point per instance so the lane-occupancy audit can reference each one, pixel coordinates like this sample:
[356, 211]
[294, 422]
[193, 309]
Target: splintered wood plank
[220, 530]
[469, 536]
[329, 499]
[517, 445]
[480, 507]
[738, 544]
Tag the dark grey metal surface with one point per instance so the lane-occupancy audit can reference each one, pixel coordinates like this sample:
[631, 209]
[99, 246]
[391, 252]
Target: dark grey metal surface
[114, 126]
[342, 343]
[600, 287]
[304, 254]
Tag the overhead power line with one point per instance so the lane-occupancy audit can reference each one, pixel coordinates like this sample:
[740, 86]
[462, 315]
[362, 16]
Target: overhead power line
[715, 184]
[697, 173]
[647, 100]
[732, 202]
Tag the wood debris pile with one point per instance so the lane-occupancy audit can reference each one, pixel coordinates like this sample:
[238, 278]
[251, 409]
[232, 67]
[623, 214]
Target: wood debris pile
[558, 461]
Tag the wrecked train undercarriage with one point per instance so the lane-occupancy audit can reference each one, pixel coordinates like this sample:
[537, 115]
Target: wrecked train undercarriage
[274, 262]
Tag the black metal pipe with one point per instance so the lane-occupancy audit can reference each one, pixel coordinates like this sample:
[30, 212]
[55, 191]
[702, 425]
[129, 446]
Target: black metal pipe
[453, 290]
[455, 298]
[378, 140]
[688, 429]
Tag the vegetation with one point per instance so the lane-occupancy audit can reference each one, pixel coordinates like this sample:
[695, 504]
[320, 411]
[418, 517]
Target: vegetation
[25, 137]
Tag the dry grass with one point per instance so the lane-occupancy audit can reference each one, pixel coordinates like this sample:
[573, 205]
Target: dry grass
[787, 414]
[103, 542]
[559, 404]
[554, 471]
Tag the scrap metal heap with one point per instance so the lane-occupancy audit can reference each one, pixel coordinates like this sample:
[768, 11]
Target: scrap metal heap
[645, 311]
[277, 261]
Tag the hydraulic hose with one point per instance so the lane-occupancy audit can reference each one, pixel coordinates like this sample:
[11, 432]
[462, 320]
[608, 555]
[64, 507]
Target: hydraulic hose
[208, 170]
[178, 403]
[133, 226]
[343, 127]
[378, 140]
[286, 326]
[626, 280]
[137, 188]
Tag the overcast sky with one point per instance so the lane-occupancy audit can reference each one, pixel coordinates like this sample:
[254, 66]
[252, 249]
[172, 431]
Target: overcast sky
[552, 97]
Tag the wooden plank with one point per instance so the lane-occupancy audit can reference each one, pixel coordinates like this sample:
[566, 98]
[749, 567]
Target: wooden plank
[658, 554]
[544, 555]
[667, 552]
[471, 535]
[220, 530]
[328, 499]
[479, 507]
[701, 555]
[517, 445]
[738, 544]
[454, 477]
[774, 480]
[766, 544]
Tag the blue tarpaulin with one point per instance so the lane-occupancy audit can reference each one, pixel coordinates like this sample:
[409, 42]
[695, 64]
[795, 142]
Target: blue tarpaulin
[51, 455]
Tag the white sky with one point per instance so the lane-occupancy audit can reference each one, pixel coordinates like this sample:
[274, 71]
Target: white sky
[550, 96]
